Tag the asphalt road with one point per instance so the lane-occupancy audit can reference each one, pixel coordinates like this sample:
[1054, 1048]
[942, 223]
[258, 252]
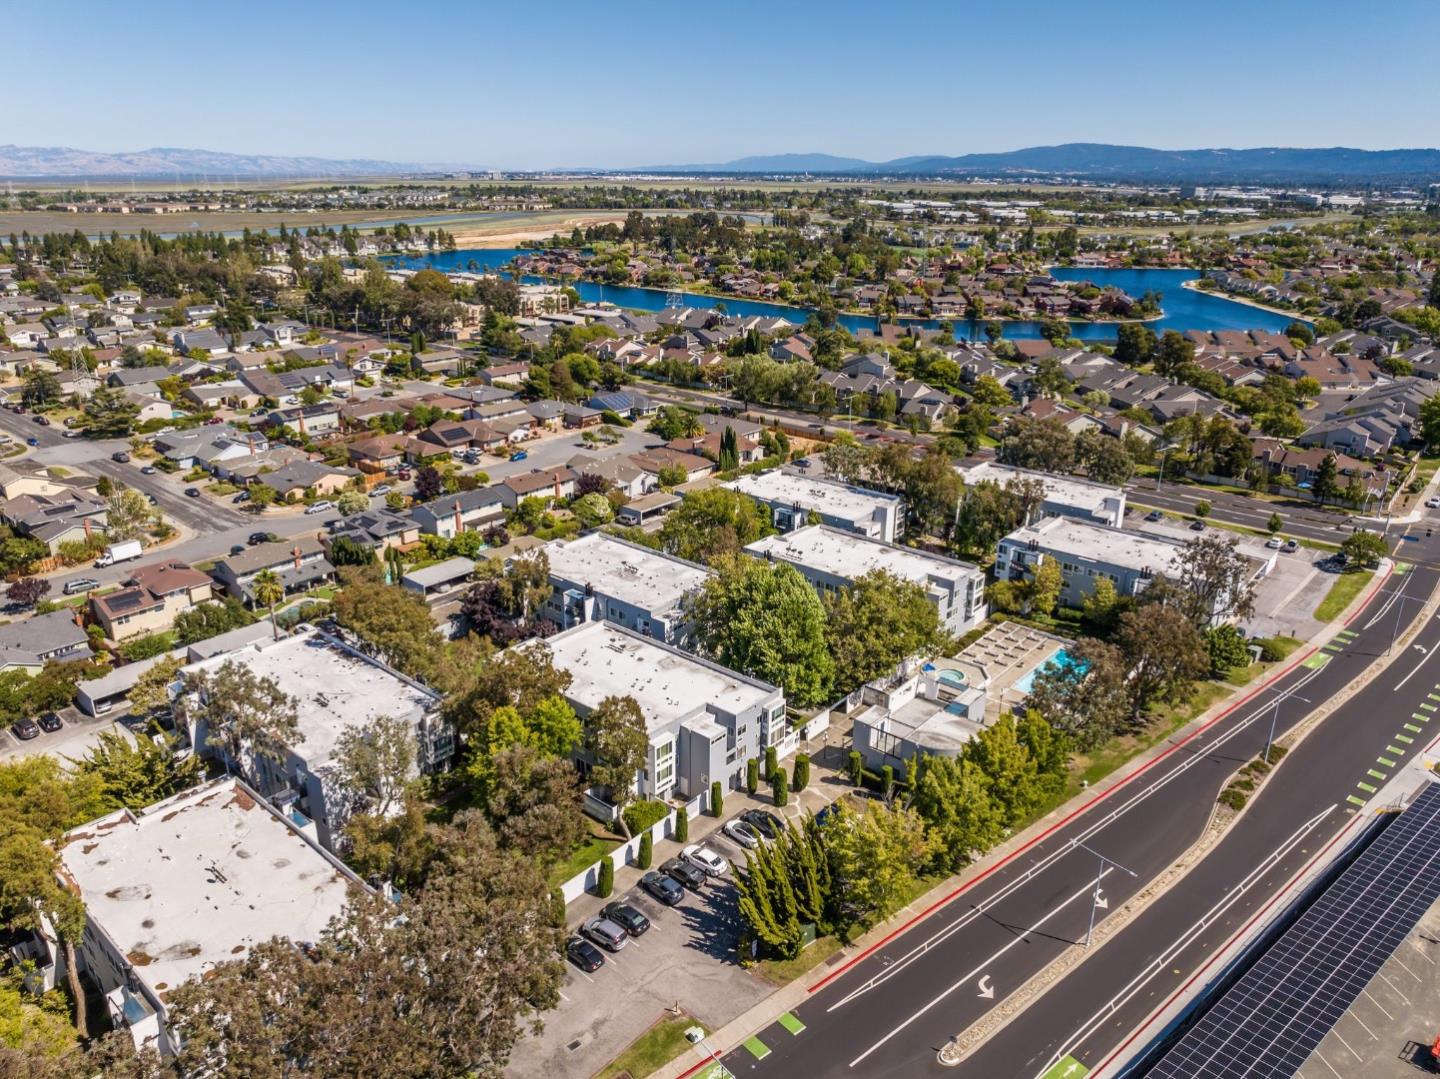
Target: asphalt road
[1301, 521]
[890, 1013]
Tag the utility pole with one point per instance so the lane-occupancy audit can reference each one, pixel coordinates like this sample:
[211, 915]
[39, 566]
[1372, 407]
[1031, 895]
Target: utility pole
[1095, 901]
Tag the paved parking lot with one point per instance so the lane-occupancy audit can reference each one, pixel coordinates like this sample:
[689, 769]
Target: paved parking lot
[75, 739]
[686, 959]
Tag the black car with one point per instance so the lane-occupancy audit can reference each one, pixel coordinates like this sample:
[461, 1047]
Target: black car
[662, 888]
[627, 918]
[768, 824]
[690, 876]
[237, 548]
[41, 420]
[49, 721]
[243, 496]
[584, 954]
[26, 729]
[120, 457]
[192, 492]
[262, 537]
[1197, 526]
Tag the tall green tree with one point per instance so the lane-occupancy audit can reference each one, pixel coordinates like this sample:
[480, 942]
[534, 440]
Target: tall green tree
[616, 738]
[712, 523]
[139, 773]
[765, 620]
[1014, 775]
[877, 622]
[109, 413]
[244, 714]
[953, 797]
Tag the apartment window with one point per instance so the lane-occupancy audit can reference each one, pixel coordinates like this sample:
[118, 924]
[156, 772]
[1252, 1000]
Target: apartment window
[664, 766]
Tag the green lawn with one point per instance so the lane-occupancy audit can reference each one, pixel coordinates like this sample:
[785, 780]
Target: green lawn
[784, 971]
[1341, 593]
[1243, 676]
[657, 1047]
[587, 853]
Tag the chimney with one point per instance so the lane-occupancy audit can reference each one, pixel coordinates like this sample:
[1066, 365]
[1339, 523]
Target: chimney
[296, 553]
[86, 522]
[459, 520]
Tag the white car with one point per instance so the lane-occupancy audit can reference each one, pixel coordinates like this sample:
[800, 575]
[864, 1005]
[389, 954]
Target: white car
[1433, 503]
[323, 506]
[744, 834]
[705, 860]
[383, 489]
[1274, 543]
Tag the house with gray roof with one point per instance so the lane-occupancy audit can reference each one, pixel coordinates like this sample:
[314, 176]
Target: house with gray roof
[29, 644]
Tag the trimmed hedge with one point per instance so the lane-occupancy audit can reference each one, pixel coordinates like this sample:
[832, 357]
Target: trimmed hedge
[646, 853]
[770, 764]
[802, 772]
[752, 775]
[644, 815]
[717, 799]
[782, 788]
[682, 825]
[606, 884]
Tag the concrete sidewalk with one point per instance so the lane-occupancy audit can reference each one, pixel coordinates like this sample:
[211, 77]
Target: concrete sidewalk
[797, 992]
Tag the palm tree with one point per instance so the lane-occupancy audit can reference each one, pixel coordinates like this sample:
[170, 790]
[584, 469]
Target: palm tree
[269, 591]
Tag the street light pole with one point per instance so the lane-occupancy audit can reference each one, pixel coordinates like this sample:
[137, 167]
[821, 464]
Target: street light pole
[1095, 892]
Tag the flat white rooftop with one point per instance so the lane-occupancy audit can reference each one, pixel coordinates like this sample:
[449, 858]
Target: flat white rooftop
[1097, 543]
[851, 556]
[336, 689]
[834, 499]
[605, 660]
[625, 571]
[1066, 490]
[200, 879]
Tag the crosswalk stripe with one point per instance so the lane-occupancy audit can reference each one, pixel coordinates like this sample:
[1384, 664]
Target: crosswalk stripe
[1404, 738]
[1355, 801]
[1385, 762]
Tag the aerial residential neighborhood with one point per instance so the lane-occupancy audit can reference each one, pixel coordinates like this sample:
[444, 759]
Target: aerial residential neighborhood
[479, 602]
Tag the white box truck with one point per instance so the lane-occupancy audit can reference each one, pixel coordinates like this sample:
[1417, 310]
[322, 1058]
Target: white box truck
[119, 552]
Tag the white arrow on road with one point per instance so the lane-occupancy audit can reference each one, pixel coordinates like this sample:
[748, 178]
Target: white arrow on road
[1071, 1069]
[1100, 900]
[986, 989]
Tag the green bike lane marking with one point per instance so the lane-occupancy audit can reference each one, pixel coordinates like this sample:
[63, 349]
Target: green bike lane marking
[1412, 728]
[1404, 738]
[758, 1049]
[1386, 763]
[1374, 774]
[1395, 750]
[1355, 801]
[1367, 788]
[1067, 1068]
[791, 1022]
[1318, 660]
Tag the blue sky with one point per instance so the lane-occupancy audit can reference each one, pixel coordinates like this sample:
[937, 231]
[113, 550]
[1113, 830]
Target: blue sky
[556, 83]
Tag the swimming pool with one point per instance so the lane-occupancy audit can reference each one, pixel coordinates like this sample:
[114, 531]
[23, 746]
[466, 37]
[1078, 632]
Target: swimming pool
[949, 677]
[1061, 659]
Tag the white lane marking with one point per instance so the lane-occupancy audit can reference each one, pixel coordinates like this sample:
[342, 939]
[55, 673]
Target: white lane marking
[1019, 939]
[1347, 1045]
[977, 910]
[1161, 961]
[1423, 660]
[1366, 1025]
[1321, 1057]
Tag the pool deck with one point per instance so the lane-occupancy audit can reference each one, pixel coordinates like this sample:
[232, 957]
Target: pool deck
[1008, 655]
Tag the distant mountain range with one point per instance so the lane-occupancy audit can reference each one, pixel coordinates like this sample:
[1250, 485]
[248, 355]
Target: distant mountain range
[61, 162]
[1101, 161]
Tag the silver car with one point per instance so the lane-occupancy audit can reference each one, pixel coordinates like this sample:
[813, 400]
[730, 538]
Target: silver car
[605, 933]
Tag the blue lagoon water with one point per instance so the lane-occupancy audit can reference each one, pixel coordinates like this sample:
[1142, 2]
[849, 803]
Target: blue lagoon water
[1185, 309]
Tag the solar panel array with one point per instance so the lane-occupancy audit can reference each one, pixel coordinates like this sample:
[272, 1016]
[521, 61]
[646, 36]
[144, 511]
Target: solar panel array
[1272, 1019]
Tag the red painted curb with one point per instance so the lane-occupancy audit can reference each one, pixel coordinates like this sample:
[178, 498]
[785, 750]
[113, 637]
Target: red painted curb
[1299, 659]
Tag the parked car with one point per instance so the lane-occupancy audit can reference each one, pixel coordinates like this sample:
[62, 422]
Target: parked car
[43, 421]
[120, 457]
[627, 918]
[72, 434]
[383, 489]
[323, 506]
[605, 933]
[192, 492]
[50, 721]
[1291, 546]
[584, 954]
[744, 833]
[691, 876]
[25, 729]
[1154, 515]
[767, 823]
[243, 496]
[403, 474]
[712, 864]
[519, 455]
[237, 548]
[1433, 503]
[1197, 526]
[80, 584]
[662, 888]
[148, 470]
[262, 537]
[1274, 543]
